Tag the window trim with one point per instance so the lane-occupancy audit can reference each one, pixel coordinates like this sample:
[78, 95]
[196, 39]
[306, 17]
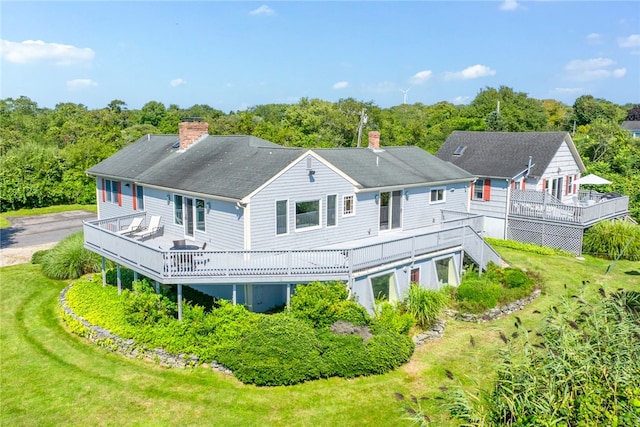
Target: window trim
[335, 210]
[177, 206]
[204, 215]
[286, 217]
[352, 211]
[438, 201]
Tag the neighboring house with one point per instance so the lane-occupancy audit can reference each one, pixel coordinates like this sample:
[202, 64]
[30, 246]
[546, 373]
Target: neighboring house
[632, 126]
[245, 219]
[527, 186]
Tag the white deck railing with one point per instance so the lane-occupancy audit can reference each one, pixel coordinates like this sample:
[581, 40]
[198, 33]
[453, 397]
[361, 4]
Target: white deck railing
[207, 266]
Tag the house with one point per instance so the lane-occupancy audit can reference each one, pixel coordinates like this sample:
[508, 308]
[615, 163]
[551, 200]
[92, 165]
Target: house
[527, 187]
[244, 219]
[632, 126]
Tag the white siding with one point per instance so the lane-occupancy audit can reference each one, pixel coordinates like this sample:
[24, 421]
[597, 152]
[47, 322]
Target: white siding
[496, 206]
[562, 166]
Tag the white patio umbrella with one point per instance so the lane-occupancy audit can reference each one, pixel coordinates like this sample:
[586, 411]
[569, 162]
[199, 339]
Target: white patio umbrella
[592, 179]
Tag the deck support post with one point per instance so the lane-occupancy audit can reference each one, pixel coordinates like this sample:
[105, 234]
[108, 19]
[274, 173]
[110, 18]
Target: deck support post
[157, 287]
[104, 272]
[180, 302]
[135, 276]
[234, 295]
[288, 297]
[118, 279]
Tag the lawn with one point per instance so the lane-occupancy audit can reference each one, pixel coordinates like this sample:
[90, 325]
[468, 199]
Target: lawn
[50, 377]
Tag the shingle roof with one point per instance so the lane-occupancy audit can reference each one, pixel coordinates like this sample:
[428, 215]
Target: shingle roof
[392, 166]
[224, 166]
[505, 154]
[235, 166]
[631, 124]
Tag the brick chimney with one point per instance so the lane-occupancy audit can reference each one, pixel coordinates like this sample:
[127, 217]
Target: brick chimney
[190, 132]
[374, 140]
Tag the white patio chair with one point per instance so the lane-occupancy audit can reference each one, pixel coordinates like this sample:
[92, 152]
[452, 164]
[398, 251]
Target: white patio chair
[152, 229]
[133, 227]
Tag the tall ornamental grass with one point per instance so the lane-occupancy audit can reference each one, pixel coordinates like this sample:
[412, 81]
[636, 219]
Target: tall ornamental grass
[69, 259]
[425, 305]
[609, 238]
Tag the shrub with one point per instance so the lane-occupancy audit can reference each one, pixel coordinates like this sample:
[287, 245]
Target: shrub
[318, 303]
[516, 278]
[126, 277]
[477, 294]
[69, 259]
[277, 350]
[354, 313]
[608, 238]
[344, 355]
[144, 307]
[392, 317]
[526, 247]
[388, 350]
[425, 305]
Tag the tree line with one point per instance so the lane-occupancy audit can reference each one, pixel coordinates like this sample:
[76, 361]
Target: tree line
[45, 152]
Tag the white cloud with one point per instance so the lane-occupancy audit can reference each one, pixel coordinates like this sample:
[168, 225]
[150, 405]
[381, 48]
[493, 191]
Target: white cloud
[594, 38]
[263, 10]
[510, 5]
[593, 69]
[461, 100]
[473, 72]
[568, 90]
[79, 84]
[341, 85]
[632, 41]
[30, 51]
[420, 77]
[177, 82]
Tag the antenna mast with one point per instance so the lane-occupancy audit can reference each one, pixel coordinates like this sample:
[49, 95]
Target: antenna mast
[363, 121]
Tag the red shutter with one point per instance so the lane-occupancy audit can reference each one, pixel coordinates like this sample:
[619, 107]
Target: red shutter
[472, 188]
[544, 185]
[513, 185]
[133, 196]
[119, 193]
[575, 186]
[566, 185]
[487, 189]
[523, 185]
[104, 193]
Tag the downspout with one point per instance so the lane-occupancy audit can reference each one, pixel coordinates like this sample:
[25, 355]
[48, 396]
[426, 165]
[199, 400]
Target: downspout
[506, 213]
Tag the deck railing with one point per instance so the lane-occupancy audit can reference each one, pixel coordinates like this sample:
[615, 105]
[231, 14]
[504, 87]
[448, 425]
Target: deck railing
[207, 266]
[589, 207]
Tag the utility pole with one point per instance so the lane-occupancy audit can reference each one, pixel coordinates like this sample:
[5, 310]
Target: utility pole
[363, 121]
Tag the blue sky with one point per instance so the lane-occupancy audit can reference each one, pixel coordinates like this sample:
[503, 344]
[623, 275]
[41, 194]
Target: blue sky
[234, 55]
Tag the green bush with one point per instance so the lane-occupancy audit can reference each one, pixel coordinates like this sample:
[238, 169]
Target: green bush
[344, 355]
[392, 317]
[526, 247]
[516, 278]
[144, 307]
[69, 259]
[608, 238]
[318, 303]
[477, 294]
[388, 350]
[425, 305]
[352, 312]
[278, 350]
[126, 277]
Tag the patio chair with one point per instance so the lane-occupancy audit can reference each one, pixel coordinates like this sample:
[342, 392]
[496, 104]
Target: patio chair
[152, 229]
[134, 226]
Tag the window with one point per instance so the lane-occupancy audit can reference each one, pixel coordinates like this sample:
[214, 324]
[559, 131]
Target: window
[384, 288]
[307, 214]
[331, 210]
[437, 195]
[390, 209]
[177, 209]
[459, 150]
[138, 198]
[281, 217]
[200, 223]
[347, 206]
[415, 275]
[446, 272]
[481, 190]
[569, 185]
[111, 192]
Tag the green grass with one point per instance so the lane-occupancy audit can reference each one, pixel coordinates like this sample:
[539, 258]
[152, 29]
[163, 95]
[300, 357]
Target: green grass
[5, 217]
[50, 377]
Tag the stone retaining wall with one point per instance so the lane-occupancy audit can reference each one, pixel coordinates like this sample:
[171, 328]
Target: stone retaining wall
[129, 348]
[495, 313]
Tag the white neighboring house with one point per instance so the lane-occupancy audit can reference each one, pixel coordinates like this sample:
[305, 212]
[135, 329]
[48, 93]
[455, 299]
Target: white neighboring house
[245, 219]
[526, 186]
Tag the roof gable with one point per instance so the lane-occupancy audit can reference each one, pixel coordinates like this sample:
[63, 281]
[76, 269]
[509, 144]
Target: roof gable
[505, 154]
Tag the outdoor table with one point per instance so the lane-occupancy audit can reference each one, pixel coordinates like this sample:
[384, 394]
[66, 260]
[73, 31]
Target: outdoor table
[183, 261]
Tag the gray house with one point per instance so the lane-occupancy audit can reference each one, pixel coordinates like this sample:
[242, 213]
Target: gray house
[528, 186]
[245, 219]
[632, 126]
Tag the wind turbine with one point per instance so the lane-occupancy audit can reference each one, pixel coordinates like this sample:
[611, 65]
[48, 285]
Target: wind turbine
[404, 95]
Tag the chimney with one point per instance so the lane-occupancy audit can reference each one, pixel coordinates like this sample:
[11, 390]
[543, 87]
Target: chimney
[374, 140]
[190, 132]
